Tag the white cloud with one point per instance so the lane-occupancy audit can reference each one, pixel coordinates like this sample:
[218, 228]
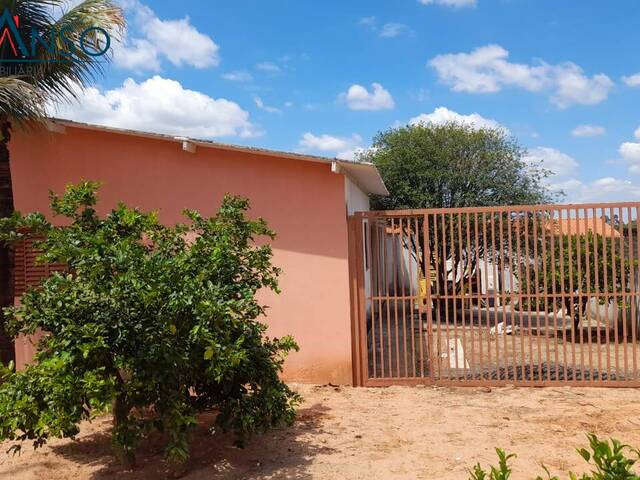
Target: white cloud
[177, 41]
[344, 148]
[182, 44]
[268, 67]
[565, 179]
[368, 22]
[388, 30]
[394, 29]
[573, 87]
[261, 105]
[359, 98]
[560, 164]
[588, 131]
[630, 153]
[238, 76]
[632, 80]
[159, 105]
[137, 54]
[450, 3]
[442, 115]
[487, 70]
[605, 189]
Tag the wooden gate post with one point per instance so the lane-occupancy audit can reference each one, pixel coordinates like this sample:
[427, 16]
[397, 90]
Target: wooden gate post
[356, 294]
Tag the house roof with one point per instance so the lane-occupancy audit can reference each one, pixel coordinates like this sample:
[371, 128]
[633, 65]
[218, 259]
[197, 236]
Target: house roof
[363, 174]
[581, 226]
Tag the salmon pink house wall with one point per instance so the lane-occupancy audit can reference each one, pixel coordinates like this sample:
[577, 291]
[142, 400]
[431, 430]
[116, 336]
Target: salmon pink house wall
[304, 199]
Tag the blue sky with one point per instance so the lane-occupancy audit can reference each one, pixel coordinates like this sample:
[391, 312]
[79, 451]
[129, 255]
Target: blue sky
[324, 77]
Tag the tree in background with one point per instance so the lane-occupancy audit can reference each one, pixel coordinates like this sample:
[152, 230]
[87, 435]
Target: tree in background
[588, 263]
[454, 165]
[28, 86]
[160, 322]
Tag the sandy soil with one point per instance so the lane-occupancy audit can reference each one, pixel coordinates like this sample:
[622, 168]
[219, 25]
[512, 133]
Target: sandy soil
[390, 433]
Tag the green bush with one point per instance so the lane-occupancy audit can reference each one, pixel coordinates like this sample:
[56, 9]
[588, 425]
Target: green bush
[609, 460]
[156, 323]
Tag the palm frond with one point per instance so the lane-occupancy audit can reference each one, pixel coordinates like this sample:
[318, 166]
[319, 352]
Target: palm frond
[62, 76]
[57, 75]
[20, 100]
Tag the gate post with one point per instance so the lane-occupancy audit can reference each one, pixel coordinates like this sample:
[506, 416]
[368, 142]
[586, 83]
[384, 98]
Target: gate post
[359, 366]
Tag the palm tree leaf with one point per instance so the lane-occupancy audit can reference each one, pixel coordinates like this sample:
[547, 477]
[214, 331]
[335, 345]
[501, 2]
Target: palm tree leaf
[53, 74]
[20, 100]
[62, 76]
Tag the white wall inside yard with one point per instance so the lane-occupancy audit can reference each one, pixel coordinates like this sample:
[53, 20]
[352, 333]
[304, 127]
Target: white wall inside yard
[357, 200]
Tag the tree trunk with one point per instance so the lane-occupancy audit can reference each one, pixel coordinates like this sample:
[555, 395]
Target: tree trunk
[6, 255]
[123, 446]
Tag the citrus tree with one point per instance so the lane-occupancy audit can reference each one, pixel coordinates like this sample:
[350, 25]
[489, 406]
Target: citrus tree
[158, 323]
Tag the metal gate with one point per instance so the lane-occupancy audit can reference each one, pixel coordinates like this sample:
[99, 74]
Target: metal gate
[525, 295]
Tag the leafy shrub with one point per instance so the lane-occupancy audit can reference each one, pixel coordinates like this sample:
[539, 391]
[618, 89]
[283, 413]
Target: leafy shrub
[609, 459]
[501, 472]
[158, 323]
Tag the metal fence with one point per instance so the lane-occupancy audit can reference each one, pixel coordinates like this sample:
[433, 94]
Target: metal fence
[528, 295]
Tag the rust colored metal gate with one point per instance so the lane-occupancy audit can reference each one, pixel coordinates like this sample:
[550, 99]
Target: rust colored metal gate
[526, 295]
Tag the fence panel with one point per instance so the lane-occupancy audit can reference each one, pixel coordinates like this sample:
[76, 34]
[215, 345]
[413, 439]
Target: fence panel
[531, 295]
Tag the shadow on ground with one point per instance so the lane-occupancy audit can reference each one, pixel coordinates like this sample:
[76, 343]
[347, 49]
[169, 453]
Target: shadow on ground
[283, 453]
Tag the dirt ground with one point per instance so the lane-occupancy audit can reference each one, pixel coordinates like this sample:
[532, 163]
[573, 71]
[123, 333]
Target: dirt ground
[386, 433]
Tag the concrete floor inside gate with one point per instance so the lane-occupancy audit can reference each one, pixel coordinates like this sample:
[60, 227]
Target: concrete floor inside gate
[404, 347]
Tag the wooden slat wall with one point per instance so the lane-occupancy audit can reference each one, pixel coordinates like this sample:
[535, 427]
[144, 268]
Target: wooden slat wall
[27, 271]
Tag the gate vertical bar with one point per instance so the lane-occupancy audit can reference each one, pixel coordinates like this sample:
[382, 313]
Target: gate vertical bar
[563, 298]
[579, 323]
[445, 289]
[614, 292]
[403, 291]
[420, 329]
[535, 299]
[623, 286]
[486, 287]
[633, 299]
[636, 274]
[429, 307]
[462, 316]
[469, 296]
[411, 294]
[605, 270]
[396, 297]
[518, 272]
[571, 294]
[436, 356]
[597, 286]
[478, 294]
